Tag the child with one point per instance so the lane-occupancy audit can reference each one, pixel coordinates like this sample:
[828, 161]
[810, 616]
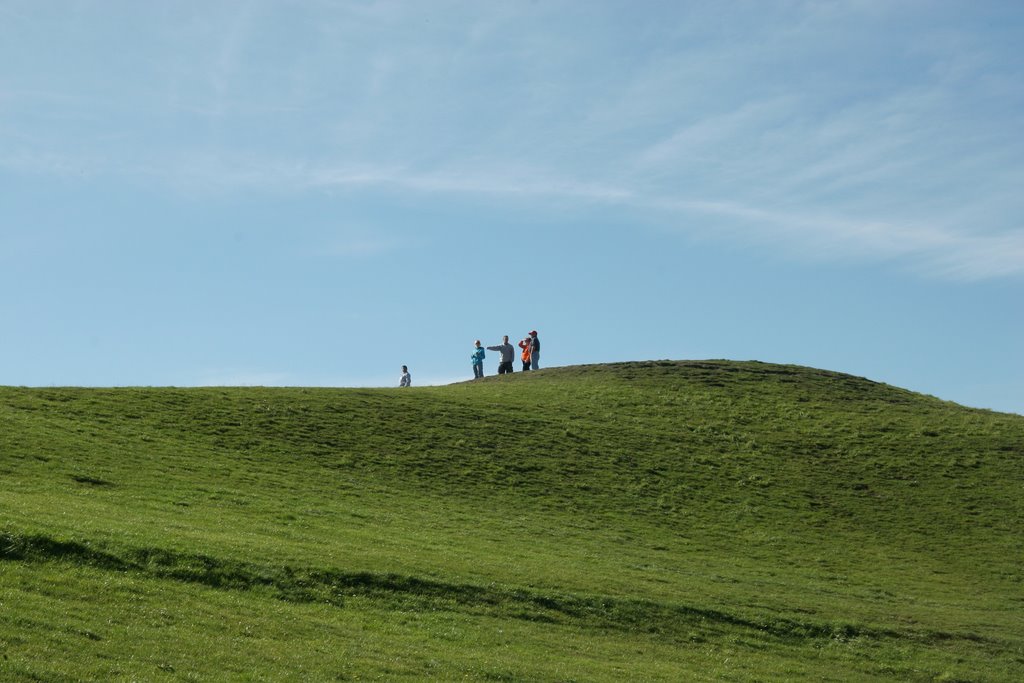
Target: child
[478, 360]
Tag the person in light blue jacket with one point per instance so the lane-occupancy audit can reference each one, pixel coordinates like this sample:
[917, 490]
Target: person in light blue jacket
[478, 360]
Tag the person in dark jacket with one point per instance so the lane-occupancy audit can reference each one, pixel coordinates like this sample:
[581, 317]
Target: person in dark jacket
[535, 352]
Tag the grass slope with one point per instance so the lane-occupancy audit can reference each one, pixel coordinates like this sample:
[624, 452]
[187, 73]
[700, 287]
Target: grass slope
[652, 521]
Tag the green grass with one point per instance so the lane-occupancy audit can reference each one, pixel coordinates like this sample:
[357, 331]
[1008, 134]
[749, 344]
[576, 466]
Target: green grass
[645, 521]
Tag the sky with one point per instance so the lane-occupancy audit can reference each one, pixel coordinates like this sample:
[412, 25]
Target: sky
[316, 192]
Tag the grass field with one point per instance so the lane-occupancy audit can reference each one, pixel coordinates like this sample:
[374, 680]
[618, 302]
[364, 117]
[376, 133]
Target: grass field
[667, 521]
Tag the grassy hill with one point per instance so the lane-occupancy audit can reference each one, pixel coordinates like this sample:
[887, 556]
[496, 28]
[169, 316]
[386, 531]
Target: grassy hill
[641, 521]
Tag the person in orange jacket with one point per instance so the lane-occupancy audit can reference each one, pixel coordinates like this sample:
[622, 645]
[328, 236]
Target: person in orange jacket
[527, 346]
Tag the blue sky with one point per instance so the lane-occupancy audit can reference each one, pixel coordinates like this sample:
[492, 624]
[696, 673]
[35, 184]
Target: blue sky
[315, 192]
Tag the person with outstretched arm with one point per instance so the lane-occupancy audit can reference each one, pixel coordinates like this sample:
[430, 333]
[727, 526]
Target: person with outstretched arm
[508, 353]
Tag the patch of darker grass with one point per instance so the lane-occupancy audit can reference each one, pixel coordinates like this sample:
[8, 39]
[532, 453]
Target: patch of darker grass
[91, 481]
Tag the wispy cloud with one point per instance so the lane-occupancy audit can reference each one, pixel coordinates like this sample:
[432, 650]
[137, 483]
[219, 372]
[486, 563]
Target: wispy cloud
[702, 140]
[473, 180]
[819, 128]
[229, 58]
[930, 249]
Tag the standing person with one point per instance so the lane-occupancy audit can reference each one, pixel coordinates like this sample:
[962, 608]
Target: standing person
[527, 346]
[507, 352]
[535, 351]
[478, 360]
[406, 380]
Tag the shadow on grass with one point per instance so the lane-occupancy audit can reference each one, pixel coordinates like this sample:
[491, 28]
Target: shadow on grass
[393, 591]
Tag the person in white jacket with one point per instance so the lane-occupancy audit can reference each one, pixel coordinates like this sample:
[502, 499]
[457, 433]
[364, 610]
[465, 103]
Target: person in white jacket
[508, 354]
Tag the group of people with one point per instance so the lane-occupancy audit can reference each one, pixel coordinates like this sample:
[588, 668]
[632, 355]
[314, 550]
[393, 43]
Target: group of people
[530, 355]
